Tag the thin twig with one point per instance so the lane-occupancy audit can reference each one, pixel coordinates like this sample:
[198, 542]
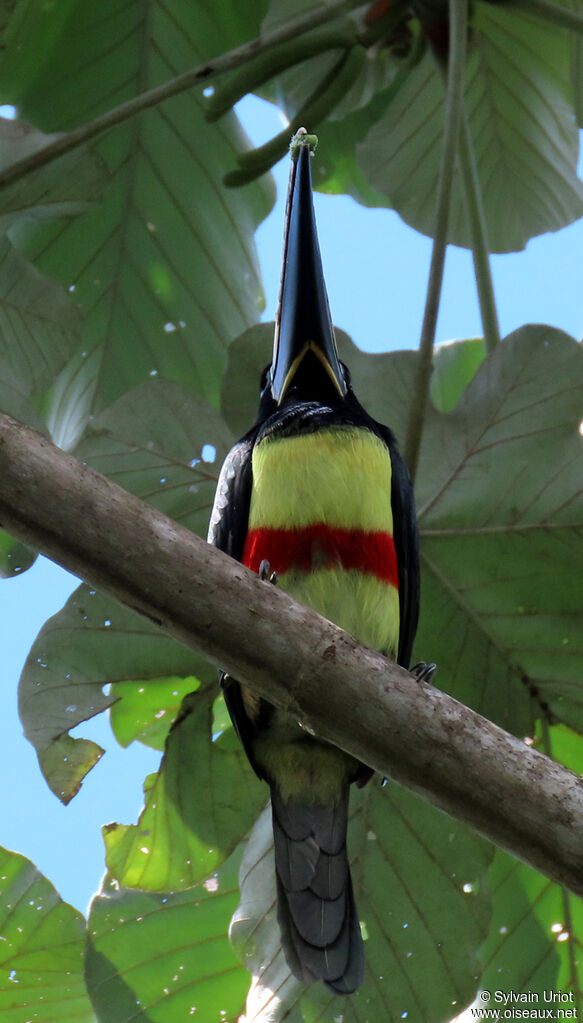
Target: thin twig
[479, 235]
[159, 93]
[453, 115]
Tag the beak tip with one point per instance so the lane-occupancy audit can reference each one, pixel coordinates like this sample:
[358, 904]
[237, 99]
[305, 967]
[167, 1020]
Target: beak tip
[300, 141]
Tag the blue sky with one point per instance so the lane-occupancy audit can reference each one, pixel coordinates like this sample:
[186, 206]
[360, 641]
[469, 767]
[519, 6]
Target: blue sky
[376, 270]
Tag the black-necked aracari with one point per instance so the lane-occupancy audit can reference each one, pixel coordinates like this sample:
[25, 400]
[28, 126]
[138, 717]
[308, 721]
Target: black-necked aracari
[317, 489]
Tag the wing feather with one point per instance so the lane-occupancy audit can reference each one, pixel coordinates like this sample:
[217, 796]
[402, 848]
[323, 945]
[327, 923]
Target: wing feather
[406, 540]
[228, 531]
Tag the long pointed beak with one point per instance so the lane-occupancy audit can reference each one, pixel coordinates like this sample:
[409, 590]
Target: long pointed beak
[303, 322]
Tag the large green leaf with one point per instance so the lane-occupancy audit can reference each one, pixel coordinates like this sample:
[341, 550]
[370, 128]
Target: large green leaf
[41, 949]
[6, 11]
[39, 324]
[198, 808]
[501, 514]
[91, 643]
[164, 444]
[145, 710]
[534, 945]
[165, 270]
[419, 881]
[24, 59]
[15, 400]
[519, 106]
[15, 557]
[163, 958]
[63, 188]
[521, 953]
[454, 366]
[384, 148]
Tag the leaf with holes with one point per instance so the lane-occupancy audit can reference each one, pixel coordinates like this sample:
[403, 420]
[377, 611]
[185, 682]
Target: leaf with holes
[198, 808]
[165, 270]
[165, 957]
[145, 710]
[41, 949]
[91, 643]
[164, 444]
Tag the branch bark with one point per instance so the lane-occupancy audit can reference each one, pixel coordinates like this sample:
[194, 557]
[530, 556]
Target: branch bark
[411, 732]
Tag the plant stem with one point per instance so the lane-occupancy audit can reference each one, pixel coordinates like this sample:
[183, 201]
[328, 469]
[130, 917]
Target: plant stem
[453, 115]
[159, 93]
[322, 100]
[479, 234]
[276, 60]
[343, 36]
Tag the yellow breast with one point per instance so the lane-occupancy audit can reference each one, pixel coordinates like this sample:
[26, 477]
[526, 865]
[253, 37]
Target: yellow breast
[321, 515]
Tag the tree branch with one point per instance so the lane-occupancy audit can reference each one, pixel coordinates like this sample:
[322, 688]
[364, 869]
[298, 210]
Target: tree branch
[409, 731]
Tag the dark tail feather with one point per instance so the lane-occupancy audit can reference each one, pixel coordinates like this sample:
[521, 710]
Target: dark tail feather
[315, 902]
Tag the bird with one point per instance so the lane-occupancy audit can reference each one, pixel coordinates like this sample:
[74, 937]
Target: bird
[317, 498]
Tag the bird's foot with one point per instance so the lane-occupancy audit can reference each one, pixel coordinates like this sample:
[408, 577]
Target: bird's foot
[266, 574]
[424, 672]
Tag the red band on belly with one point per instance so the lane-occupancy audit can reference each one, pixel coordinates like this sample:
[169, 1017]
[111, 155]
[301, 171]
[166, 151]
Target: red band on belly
[320, 546]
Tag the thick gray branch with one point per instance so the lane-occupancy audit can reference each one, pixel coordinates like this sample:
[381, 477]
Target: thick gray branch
[408, 731]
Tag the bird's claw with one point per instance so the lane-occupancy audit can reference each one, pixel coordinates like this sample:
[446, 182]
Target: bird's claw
[424, 672]
[266, 574]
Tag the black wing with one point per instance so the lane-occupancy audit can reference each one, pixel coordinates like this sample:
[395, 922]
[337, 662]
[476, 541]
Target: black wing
[230, 514]
[406, 539]
[405, 534]
[228, 531]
